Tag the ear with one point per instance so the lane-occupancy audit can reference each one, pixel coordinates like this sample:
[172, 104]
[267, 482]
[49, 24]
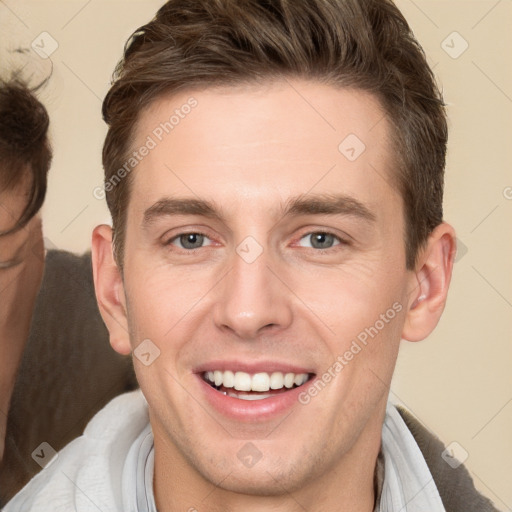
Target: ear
[430, 283]
[108, 284]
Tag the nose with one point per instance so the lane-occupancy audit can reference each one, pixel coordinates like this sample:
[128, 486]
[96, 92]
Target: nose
[251, 300]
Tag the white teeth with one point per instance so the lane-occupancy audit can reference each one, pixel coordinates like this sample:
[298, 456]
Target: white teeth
[248, 397]
[288, 380]
[260, 382]
[300, 379]
[276, 380]
[228, 379]
[242, 381]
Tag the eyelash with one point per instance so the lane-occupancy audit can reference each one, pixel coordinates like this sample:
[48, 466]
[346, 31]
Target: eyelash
[341, 241]
[179, 235]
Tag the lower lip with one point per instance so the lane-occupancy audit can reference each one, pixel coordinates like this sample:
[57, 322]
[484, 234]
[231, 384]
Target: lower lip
[250, 411]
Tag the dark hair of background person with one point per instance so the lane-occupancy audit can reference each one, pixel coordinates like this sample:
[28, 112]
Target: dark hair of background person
[24, 146]
[359, 44]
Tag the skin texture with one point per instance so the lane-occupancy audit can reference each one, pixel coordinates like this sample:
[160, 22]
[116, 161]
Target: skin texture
[250, 151]
[21, 270]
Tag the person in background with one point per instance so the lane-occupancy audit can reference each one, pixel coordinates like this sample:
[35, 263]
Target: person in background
[56, 366]
[25, 157]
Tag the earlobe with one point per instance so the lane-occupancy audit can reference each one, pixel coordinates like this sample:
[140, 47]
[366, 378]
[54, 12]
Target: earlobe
[109, 289]
[431, 280]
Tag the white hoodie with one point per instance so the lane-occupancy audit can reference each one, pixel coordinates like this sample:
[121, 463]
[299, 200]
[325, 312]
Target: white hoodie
[110, 467]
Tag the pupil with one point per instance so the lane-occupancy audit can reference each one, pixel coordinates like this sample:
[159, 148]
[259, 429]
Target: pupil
[191, 241]
[321, 240]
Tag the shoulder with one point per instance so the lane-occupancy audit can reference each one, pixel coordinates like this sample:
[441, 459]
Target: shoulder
[86, 474]
[69, 356]
[455, 485]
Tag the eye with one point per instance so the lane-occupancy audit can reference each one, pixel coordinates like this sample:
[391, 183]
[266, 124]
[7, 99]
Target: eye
[319, 240]
[190, 241]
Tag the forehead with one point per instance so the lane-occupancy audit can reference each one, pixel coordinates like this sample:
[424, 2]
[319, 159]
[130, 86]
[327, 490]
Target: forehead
[263, 143]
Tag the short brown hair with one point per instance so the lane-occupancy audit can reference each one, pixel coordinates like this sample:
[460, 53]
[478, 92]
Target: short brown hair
[363, 44]
[24, 145]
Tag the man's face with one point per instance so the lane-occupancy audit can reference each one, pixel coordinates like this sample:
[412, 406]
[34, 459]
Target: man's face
[264, 238]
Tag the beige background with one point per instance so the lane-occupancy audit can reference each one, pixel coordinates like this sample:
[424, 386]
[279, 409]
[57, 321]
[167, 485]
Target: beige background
[459, 382]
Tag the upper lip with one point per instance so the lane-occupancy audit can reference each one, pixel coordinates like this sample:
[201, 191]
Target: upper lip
[251, 367]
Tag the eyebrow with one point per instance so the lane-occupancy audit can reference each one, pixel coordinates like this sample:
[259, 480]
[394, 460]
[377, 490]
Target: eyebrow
[321, 204]
[170, 206]
[329, 204]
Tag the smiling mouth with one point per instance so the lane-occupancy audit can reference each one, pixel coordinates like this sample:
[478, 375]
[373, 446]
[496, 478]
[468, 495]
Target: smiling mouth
[258, 386]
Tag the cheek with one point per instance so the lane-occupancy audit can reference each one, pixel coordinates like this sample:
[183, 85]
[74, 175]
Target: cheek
[163, 300]
[361, 316]
[348, 300]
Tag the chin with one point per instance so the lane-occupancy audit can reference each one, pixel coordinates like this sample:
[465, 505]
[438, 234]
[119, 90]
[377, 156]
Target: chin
[261, 480]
